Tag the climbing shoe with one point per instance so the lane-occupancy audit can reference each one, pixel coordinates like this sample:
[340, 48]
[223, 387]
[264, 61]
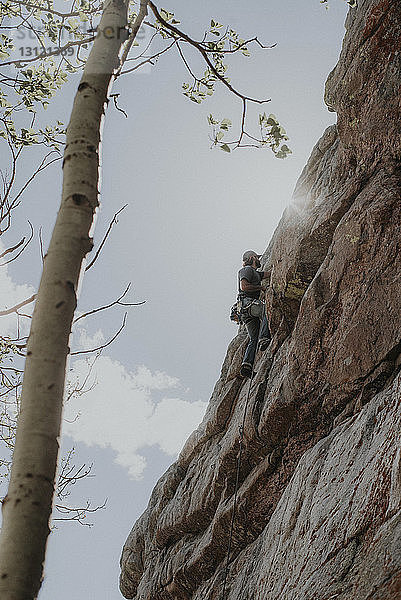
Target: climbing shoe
[264, 344]
[246, 370]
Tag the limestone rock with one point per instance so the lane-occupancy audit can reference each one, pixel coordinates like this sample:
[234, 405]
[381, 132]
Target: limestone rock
[318, 510]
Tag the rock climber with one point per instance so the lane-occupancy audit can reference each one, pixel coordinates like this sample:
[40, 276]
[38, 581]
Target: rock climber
[253, 311]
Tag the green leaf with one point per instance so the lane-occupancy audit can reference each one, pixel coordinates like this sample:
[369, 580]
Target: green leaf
[225, 148]
[272, 120]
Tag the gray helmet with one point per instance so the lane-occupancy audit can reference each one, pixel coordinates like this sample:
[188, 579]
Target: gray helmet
[249, 254]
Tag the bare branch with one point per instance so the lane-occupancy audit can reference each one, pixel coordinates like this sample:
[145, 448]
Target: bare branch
[80, 388]
[148, 45]
[14, 309]
[77, 513]
[24, 315]
[242, 122]
[112, 222]
[116, 302]
[149, 60]
[106, 344]
[43, 165]
[41, 244]
[22, 249]
[13, 248]
[70, 474]
[184, 60]
[115, 98]
[7, 205]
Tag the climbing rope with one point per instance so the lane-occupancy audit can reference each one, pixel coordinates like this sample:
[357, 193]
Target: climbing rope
[241, 439]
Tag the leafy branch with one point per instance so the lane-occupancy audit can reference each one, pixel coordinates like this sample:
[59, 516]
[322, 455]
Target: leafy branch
[272, 134]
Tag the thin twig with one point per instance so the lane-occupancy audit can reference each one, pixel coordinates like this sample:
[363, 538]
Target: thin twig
[242, 122]
[22, 249]
[149, 60]
[77, 514]
[115, 97]
[145, 49]
[104, 345]
[80, 389]
[13, 248]
[118, 301]
[41, 245]
[112, 222]
[184, 60]
[43, 165]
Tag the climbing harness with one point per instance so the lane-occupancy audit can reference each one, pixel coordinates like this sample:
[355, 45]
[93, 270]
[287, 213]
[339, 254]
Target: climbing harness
[255, 308]
[241, 439]
[246, 307]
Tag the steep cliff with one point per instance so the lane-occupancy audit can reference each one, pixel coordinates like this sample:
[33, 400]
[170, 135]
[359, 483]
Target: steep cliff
[318, 512]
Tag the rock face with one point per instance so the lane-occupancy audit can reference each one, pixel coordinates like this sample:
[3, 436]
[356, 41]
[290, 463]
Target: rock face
[318, 510]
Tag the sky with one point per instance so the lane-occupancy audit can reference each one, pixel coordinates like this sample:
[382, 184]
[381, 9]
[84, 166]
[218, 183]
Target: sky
[191, 213]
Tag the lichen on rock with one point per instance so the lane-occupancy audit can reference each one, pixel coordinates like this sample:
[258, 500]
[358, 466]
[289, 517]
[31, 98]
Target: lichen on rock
[318, 513]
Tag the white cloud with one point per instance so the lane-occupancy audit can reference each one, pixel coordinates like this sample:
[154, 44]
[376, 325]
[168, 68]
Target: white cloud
[86, 341]
[154, 381]
[123, 411]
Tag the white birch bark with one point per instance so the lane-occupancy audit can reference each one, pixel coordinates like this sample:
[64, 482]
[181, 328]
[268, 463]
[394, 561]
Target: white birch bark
[27, 506]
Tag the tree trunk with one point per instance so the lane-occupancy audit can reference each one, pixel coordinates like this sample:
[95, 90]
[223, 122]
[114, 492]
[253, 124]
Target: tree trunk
[27, 506]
